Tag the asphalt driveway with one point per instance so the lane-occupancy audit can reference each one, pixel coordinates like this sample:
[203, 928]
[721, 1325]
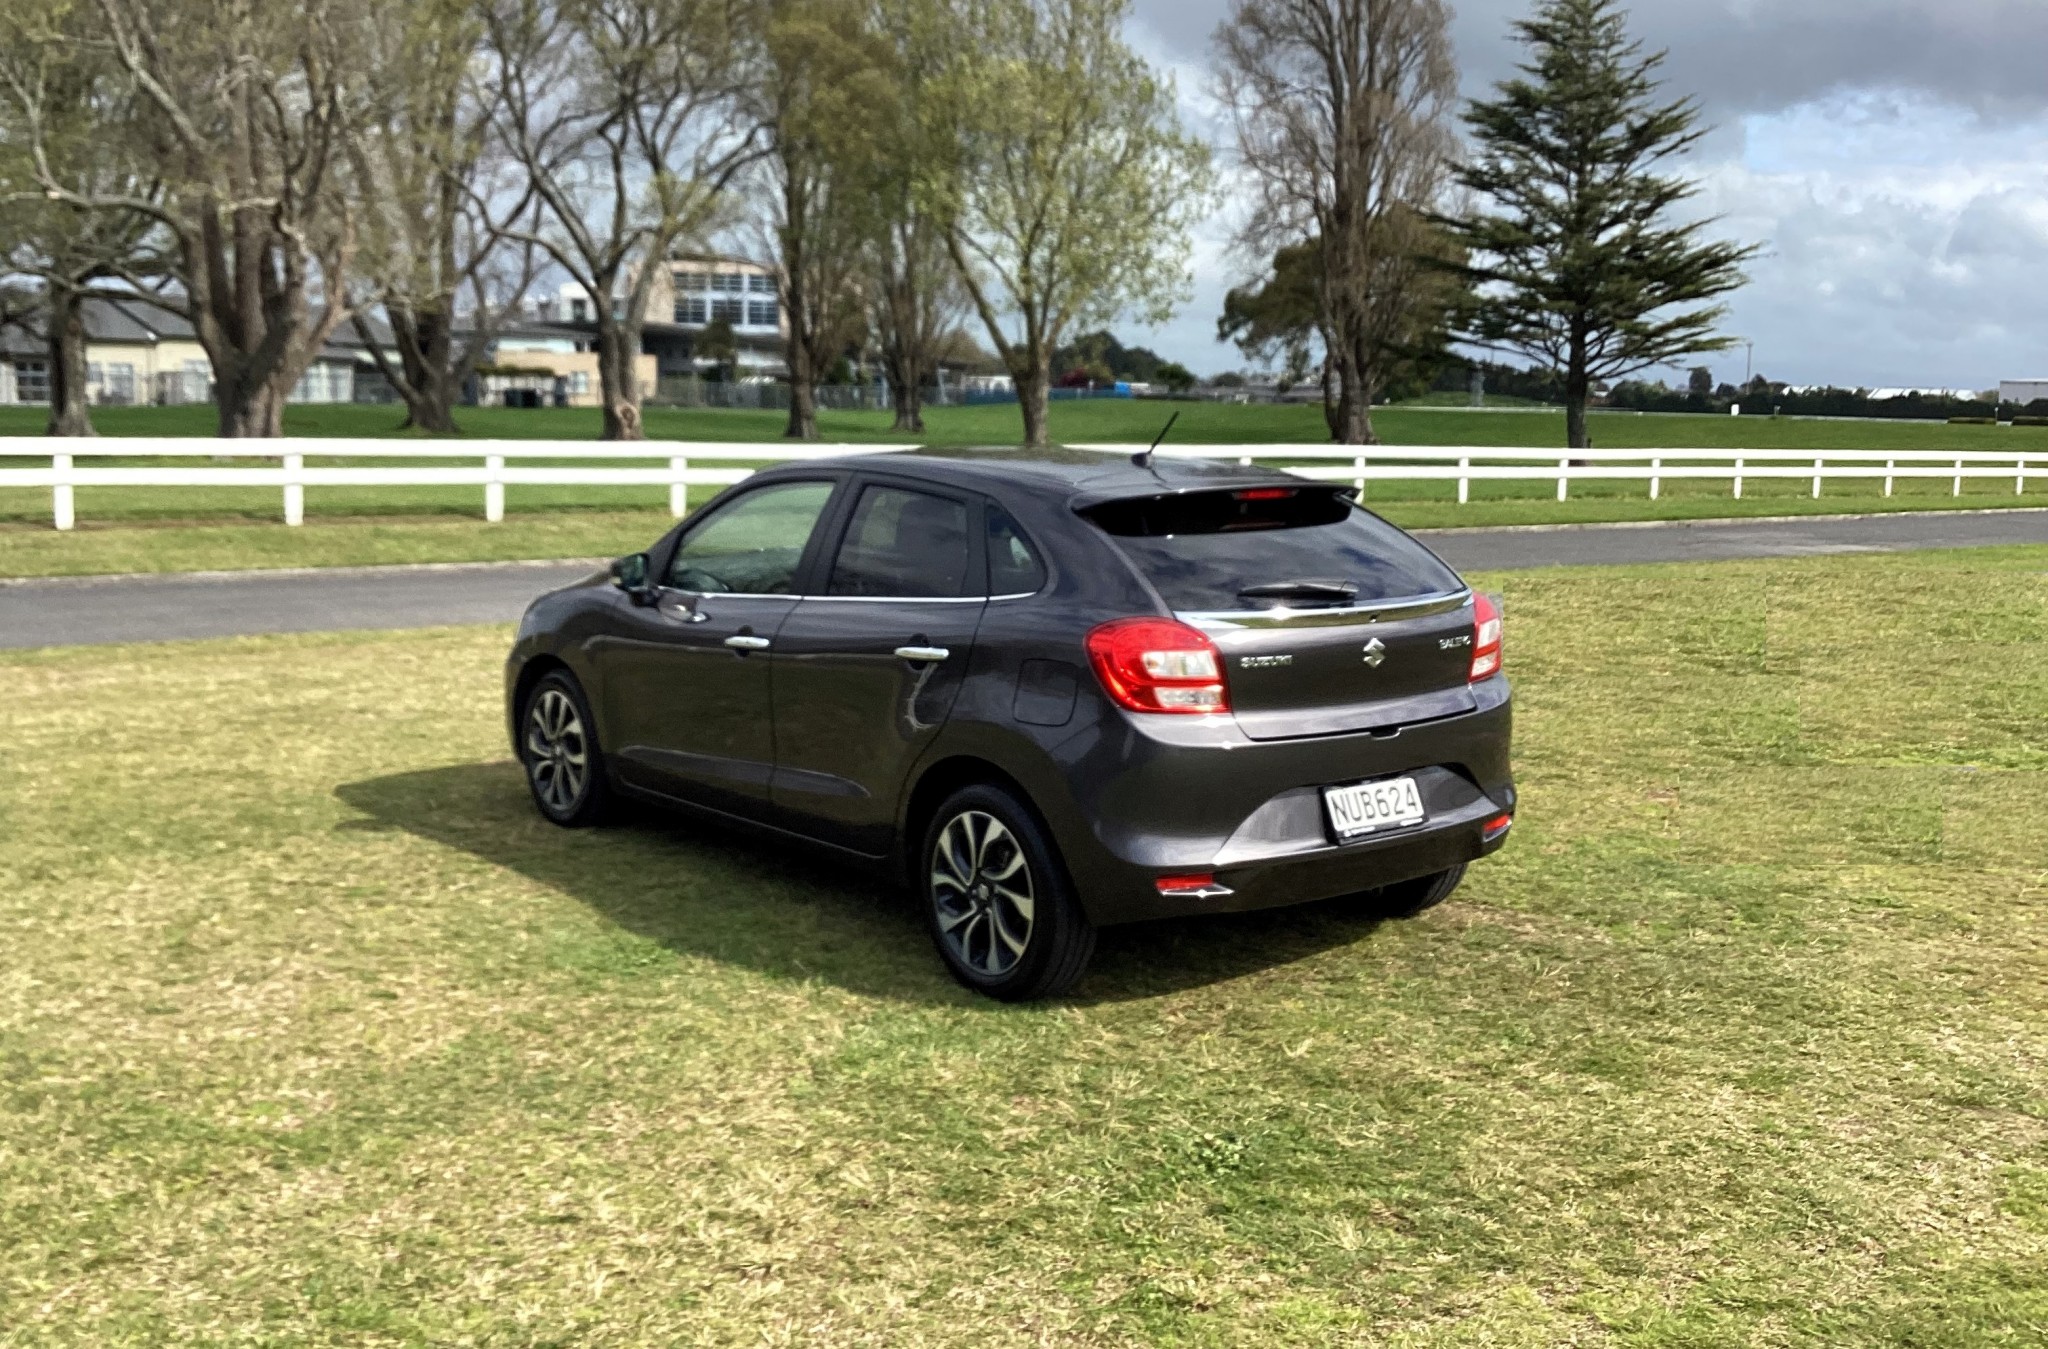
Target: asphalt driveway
[72, 611]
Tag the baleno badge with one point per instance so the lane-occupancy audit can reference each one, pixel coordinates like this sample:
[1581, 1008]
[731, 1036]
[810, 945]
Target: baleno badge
[1375, 653]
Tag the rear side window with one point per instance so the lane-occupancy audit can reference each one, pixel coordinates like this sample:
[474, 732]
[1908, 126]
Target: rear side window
[1013, 566]
[904, 545]
[752, 544]
[1269, 547]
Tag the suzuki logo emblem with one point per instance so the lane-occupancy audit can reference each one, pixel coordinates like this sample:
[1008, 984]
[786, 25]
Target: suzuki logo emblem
[1375, 653]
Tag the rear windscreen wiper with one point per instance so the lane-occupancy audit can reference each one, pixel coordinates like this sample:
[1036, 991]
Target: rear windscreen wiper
[1300, 590]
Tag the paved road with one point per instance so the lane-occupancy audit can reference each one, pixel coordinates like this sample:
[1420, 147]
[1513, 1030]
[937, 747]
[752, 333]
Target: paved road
[69, 612]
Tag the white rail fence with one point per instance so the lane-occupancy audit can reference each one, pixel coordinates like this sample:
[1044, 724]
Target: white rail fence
[679, 466]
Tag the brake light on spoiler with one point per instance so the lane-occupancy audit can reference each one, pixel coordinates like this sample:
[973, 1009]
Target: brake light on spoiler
[1159, 665]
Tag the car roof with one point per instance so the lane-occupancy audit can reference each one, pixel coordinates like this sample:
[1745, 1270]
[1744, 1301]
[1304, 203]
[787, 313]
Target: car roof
[1079, 477]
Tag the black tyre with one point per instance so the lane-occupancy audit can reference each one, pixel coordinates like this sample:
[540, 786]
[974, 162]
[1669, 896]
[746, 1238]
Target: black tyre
[558, 746]
[997, 899]
[1406, 899]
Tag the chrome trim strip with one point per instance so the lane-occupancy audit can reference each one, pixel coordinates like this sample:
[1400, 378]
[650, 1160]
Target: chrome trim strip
[1320, 618]
[898, 599]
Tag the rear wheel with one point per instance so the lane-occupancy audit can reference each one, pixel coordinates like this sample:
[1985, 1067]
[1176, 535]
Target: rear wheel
[558, 746]
[1406, 899]
[997, 899]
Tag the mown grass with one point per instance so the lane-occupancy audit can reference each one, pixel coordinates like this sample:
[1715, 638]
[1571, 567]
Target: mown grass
[311, 1034]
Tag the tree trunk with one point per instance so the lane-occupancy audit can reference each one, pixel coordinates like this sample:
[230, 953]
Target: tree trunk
[1578, 388]
[248, 408]
[70, 412]
[618, 378]
[1332, 414]
[430, 390]
[1034, 380]
[908, 401]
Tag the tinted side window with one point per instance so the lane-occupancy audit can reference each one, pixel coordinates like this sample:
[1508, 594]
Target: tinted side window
[1013, 568]
[752, 544]
[903, 544]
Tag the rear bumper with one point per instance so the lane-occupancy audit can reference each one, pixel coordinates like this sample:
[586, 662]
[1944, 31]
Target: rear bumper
[1197, 797]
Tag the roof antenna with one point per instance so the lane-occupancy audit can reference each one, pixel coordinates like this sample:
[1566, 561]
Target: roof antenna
[1144, 460]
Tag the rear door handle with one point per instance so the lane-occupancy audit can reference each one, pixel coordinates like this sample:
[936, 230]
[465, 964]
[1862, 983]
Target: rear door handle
[922, 653]
[748, 643]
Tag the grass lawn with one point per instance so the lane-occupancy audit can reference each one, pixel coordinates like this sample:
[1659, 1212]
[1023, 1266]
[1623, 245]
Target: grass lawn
[311, 1033]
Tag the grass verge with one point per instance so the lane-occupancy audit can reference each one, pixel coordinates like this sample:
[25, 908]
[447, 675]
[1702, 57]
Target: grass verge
[310, 1033]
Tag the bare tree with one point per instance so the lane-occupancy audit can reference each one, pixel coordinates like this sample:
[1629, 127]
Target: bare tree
[1341, 110]
[624, 116]
[243, 105]
[436, 208]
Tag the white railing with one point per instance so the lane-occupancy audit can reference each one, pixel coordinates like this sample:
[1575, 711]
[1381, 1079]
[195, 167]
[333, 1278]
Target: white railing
[680, 465]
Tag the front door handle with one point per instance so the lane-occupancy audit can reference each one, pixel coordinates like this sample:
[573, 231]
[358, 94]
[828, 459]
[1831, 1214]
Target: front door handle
[922, 654]
[748, 643]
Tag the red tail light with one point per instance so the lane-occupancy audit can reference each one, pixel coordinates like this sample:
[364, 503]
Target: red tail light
[1486, 639]
[1158, 665]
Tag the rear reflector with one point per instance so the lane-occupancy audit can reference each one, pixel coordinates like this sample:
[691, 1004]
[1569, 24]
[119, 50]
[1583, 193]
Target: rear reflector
[1194, 885]
[1499, 824]
[1158, 665]
[1486, 639]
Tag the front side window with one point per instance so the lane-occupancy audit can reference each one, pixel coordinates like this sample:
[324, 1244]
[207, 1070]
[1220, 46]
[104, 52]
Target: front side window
[903, 545]
[1013, 568]
[753, 544]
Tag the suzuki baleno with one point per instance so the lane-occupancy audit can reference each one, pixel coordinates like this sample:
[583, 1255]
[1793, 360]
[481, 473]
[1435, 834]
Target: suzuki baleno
[1054, 690]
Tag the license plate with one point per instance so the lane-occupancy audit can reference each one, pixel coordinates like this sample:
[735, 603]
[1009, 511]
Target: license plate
[1370, 807]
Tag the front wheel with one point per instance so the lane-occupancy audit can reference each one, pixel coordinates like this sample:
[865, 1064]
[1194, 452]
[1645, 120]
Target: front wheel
[997, 899]
[558, 747]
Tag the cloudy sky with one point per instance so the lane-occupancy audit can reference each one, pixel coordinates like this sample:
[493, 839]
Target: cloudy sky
[1890, 155]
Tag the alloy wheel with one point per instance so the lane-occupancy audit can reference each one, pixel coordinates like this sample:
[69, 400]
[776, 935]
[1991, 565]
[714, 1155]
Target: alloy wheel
[981, 888]
[557, 751]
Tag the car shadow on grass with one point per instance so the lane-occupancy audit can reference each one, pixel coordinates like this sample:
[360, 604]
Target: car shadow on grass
[791, 912]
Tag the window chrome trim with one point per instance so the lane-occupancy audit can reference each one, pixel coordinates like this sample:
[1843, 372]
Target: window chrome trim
[1331, 618]
[899, 599]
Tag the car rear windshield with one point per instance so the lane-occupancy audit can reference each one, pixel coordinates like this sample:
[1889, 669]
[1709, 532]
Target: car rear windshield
[1264, 548]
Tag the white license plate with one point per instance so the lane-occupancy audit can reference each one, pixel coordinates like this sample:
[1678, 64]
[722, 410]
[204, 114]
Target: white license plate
[1371, 807]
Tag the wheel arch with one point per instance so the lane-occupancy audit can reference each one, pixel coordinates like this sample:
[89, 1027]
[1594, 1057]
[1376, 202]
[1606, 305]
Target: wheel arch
[537, 668]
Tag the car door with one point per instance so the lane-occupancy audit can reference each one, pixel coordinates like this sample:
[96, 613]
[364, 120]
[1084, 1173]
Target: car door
[867, 667]
[687, 677]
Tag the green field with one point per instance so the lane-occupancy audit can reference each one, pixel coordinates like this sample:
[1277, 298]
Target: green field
[155, 529]
[311, 1033]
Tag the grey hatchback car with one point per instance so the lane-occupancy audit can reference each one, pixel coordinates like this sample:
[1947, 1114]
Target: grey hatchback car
[1053, 690]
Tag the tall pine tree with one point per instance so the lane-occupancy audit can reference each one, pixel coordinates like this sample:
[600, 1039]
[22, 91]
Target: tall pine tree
[1576, 268]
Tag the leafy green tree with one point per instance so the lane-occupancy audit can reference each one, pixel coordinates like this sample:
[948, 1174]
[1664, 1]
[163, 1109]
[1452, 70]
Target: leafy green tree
[1077, 186]
[1577, 268]
[1175, 376]
[718, 344]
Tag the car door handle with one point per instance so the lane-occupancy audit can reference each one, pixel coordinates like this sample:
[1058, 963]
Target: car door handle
[748, 643]
[922, 653]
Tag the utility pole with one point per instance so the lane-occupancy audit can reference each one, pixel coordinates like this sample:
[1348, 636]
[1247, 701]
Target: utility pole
[1749, 364]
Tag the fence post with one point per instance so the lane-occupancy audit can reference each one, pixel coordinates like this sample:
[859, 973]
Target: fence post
[1563, 467]
[1738, 477]
[61, 502]
[2019, 484]
[1358, 467]
[1816, 479]
[494, 488]
[1656, 481]
[1464, 481]
[678, 490]
[1889, 465]
[294, 489]
[1959, 479]
[1244, 461]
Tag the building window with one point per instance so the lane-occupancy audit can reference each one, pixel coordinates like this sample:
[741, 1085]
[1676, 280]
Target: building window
[763, 313]
[732, 311]
[761, 284]
[579, 311]
[31, 382]
[730, 281]
[691, 281]
[579, 382]
[691, 309]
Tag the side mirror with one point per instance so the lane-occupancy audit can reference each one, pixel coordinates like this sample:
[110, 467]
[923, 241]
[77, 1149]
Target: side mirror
[630, 575]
